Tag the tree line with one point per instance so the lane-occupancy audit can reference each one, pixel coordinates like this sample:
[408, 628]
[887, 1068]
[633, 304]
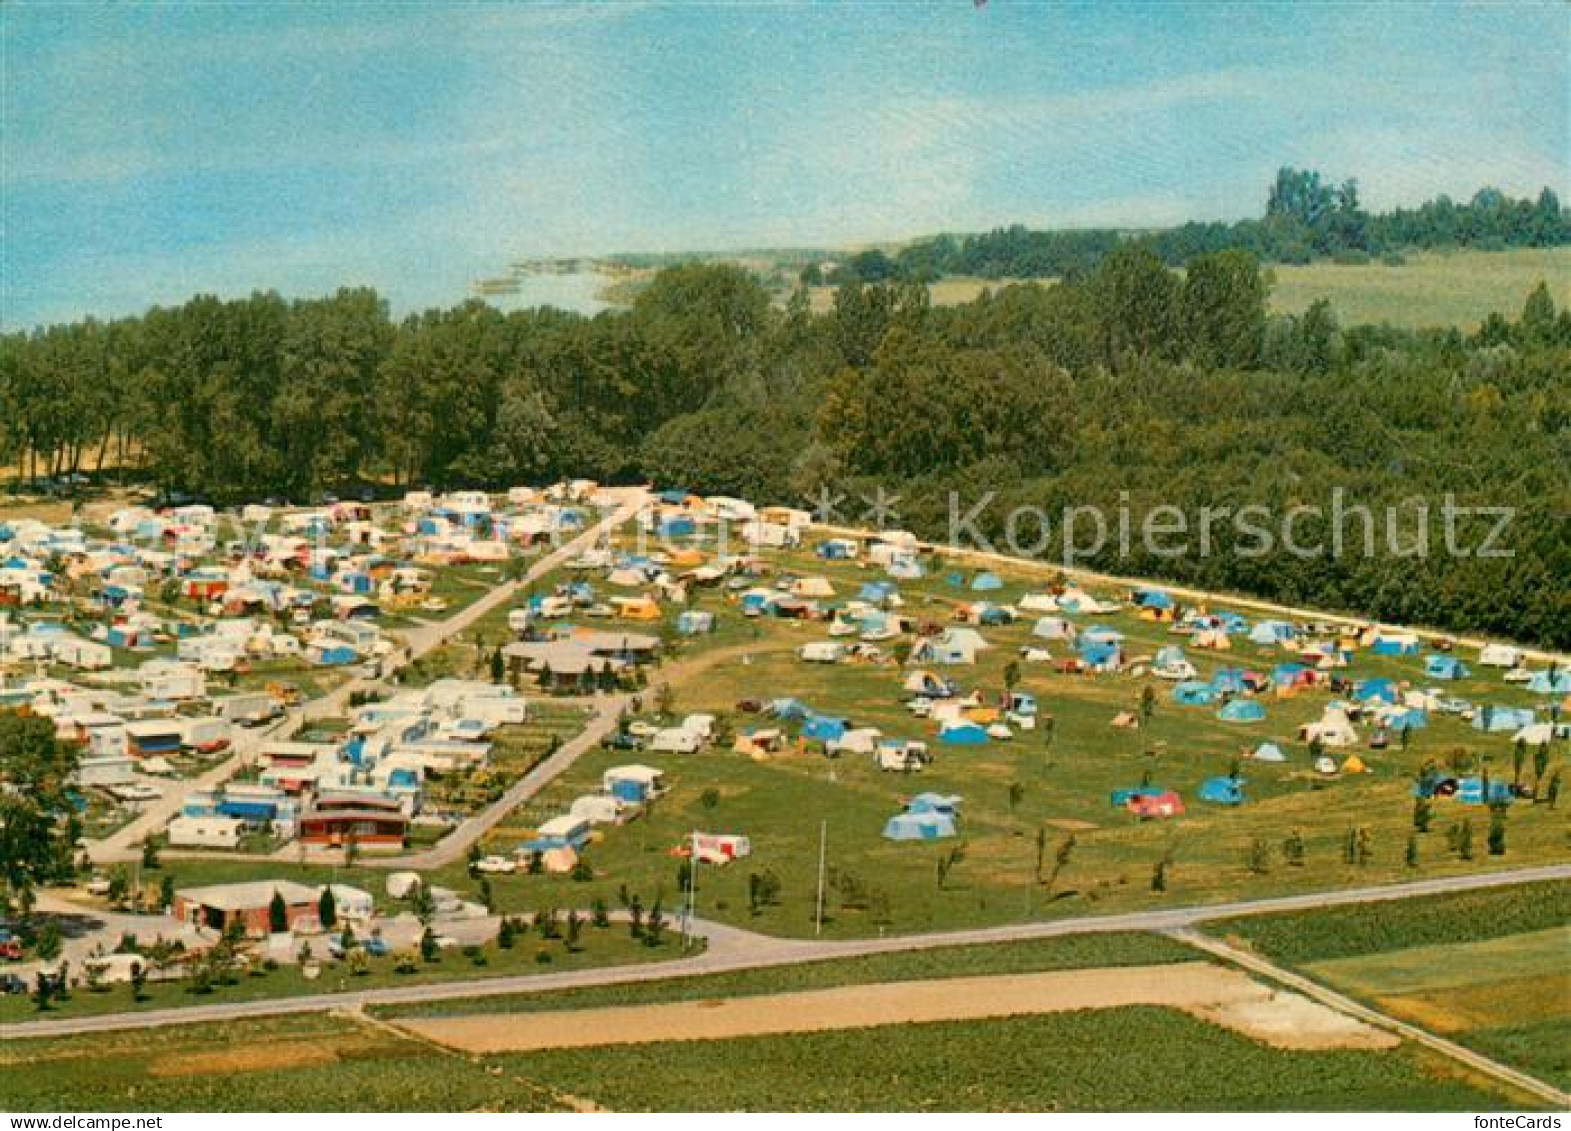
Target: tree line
[1134, 386]
[1306, 217]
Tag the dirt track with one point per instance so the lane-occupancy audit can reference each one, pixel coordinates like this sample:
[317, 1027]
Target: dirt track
[1224, 996]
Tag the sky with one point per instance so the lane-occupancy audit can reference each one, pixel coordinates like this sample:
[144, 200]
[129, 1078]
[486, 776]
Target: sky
[149, 152]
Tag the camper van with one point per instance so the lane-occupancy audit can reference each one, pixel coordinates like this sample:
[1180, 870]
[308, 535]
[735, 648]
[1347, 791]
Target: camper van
[247, 710]
[902, 757]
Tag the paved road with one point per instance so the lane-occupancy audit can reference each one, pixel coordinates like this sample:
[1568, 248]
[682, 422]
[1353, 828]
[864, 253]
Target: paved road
[731, 948]
[1344, 1004]
[602, 721]
[125, 843]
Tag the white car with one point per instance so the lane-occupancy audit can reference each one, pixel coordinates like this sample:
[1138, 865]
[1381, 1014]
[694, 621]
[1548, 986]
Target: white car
[496, 865]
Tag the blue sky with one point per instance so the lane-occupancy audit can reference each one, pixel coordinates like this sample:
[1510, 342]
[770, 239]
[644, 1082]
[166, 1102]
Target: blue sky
[147, 153]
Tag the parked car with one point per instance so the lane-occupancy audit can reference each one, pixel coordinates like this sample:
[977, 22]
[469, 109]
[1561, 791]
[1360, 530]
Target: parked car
[495, 865]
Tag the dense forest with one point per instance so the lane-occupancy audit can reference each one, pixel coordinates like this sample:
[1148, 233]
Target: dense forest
[1136, 385]
[1306, 217]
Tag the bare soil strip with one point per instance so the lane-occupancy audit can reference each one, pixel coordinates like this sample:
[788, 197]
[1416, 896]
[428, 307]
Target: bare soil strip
[1218, 994]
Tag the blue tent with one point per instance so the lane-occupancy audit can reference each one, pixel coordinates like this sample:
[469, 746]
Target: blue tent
[906, 569]
[1241, 711]
[1407, 718]
[1380, 688]
[1549, 682]
[1494, 720]
[1394, 646]
[1227, 679]
[963, 733]
[790, 709]
[1222, 791]
[919, 826]
[1272, 632]
[336, 656]
[677, 526]
[1122, 797]
[1097, 652]
[1153, 599]
[1269, 752]
[986, 582]
[876, 592]
[946, 803]
[955, 580]
[1230, 621]
[1438, 666]
[1193, 693]
[823, 728]
[1168, 655]
[755, 603]
[834, 550]
[1470, 791]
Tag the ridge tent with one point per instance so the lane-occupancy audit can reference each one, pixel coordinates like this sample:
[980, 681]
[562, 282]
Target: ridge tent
[919, 826]
[1389, 642]
[1193, 693]
[1333, 728]
[1438, 666]
[1383, 689]
[962, 732]
[1241, 711]
[1272, 632]
[929, 685]
[1268, 752]
[1550, 682]
[1493, 720]
[823, 728]
[1499, 656]
[1222, 791]
[986, 582]
[1053, 628]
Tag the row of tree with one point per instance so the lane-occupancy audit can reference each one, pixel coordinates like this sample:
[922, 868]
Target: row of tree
[1305, 217]
[1135, 387]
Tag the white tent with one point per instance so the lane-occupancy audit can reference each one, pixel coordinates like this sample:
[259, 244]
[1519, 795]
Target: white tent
[1333, 728]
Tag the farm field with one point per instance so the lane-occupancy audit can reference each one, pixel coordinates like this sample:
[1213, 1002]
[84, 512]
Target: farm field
[1430, 288]
[1145, 1057]
[1489, 970]
[1136, 1058]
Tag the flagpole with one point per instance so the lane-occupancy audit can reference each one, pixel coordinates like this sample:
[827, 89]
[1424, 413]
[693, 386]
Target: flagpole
[823, 837]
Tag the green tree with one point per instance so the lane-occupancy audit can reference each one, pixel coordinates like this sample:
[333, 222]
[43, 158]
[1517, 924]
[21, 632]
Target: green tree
[38, 824]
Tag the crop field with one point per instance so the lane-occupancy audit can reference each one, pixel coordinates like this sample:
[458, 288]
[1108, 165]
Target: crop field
[1145, 1057]
[1429, 288]
[318, 1062]
[1490, 970]
[1136, 1058]
[1457, 288]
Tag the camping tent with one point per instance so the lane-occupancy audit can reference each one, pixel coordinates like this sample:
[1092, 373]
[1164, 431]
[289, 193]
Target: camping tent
[1053, 628]
[963, 732]
[1222, 791]
[947, 804]
[1493, 720]
[919, 826]
[1333, 728]
[1550, 681]
[1438, 666]
[1271, 632]
[1389, 642]
[1159, 805]
[1241, 711]
[1499, 656]
[822, 728]
[1193, 693]
[986, 582]
[1269, 752]
[1383, 689]
[1153, 599]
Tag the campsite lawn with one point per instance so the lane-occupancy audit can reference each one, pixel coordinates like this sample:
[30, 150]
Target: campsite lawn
[1217, 853]
[1490, 969]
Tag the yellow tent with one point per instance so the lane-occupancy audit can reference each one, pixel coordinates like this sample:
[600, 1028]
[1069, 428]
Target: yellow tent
[1354, 765]
[637, 608]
